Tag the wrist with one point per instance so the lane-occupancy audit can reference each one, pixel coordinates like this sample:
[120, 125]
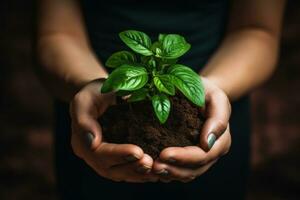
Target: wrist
[93, 89]
[217, 83]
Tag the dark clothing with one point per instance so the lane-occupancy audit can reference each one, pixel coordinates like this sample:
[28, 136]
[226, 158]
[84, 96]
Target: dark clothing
[203, 24]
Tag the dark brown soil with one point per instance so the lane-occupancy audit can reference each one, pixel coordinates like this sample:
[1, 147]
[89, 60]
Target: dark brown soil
[135, 123]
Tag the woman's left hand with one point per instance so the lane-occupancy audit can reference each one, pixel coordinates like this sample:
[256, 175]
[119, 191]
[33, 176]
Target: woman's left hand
[186, 163]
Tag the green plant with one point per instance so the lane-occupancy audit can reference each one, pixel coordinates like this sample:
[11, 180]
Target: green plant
[155, 74]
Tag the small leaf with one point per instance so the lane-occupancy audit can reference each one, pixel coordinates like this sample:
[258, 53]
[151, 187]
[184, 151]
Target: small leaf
[137, 41]
[158, 52]
[174, 46]
[155, 45]
[138, 95]
[164, 84]
[152, 63]
[127, 77]
[161, 105]
[188, 82]
[119, 58]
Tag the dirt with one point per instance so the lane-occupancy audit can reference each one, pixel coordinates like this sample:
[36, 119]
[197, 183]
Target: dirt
[136, 123]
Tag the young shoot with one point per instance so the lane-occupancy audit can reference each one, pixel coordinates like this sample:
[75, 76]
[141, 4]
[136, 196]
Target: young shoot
[151, 72]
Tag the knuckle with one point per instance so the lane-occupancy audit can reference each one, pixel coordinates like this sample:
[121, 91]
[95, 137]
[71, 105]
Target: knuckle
[132, 150]
[226, 151]
[203, 162]
[80, 97]
[77, 153]
[108, 174]
[222, 125]
[229, 106]
[81, 121]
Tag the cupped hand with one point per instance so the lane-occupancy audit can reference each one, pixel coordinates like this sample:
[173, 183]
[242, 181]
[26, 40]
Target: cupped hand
[118, 162]
[186, 163]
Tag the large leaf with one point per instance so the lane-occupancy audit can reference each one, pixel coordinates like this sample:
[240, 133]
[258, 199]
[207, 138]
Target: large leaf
[137, 41]
[161, 105]
[119, 58]
[188, 82]
[161, 37]
[173, 46]
[138, 95]
[122, 93]
[164, 84]
[127, 77]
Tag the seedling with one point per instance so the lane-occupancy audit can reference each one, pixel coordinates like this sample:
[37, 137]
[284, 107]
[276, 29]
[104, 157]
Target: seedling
[151, 72]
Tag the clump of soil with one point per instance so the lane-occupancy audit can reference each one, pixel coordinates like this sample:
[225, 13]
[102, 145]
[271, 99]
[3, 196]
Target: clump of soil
[136, 123]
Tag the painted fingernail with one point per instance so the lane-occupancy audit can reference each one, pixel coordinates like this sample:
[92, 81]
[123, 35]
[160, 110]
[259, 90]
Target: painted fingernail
[143, 169]
[211, 139]
[131, 158]
[163, 172]
[171, 160]
[89, 137]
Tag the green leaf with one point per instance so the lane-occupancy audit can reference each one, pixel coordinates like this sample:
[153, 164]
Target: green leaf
[167, 62]
[152, 63]
[174, 46]
[123, 93]
[137, 41]
[164, 84]
[161, 37]
[145, 59]
[188, 82]
[158, 52]
[138, 95]
[161, 105]
[127, 77]
[155, 45]
[119, 58]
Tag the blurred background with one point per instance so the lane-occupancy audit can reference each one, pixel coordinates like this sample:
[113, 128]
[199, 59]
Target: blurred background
[26, 116]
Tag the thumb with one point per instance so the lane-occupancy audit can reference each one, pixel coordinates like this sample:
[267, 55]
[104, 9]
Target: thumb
[212, 129]
[217, 113]
[90, 131]
[85, 124]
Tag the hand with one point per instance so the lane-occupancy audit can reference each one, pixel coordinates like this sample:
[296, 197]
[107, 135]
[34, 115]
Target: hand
[186, 163]
[118, 162]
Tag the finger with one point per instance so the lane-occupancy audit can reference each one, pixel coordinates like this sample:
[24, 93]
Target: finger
[220, 148]
[84, 120]
[131, 172]
[142, 166]
[109, 154]
[189, 156]
[217, 113]
[171, 172]
[193, 156]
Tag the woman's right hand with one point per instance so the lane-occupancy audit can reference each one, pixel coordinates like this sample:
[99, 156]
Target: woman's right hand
[118, 162]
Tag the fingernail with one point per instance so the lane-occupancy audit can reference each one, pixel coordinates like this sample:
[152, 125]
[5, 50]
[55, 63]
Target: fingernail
[89, 137]
[171, 160]
[163, 172]
[211, 139]
[131, 158]
[143, 169]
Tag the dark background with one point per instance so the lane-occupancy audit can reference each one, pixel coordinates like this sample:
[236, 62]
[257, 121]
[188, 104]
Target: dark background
[26, 116]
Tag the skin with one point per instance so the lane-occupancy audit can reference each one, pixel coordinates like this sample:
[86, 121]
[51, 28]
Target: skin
[71, 72]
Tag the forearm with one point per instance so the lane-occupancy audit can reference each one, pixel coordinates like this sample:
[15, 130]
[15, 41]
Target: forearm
[65, 65]
[246, 58]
